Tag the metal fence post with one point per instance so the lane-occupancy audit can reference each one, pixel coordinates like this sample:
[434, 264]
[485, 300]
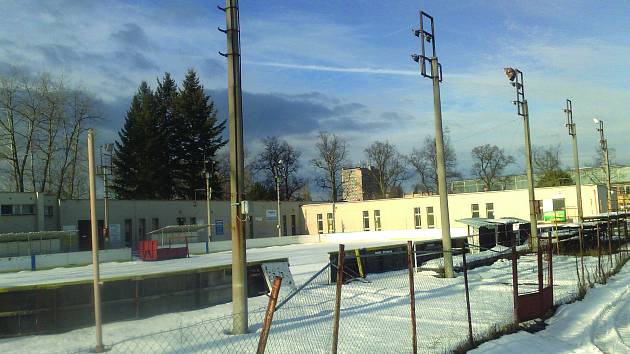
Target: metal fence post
[465, 266]
[340, 259]
[515, 281]
[609, 231]
[412, 295]
[271, 306]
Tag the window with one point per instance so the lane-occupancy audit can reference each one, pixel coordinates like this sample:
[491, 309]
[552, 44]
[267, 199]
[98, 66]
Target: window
[49, 210]
[475, 210]
[366, 220]
[331, 223]
[320, 224]
[251, 227]
[293, 226]
[181, 221]
[284, 225]
[193, 220]
[128, 232]
[377, 220]
[430, 218]
[142, 228]
[490, 210]
[417, 218]
[6, 209]
[155, 223]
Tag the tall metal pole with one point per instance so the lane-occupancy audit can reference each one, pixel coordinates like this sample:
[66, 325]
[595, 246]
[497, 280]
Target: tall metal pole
[208, 209]
[604, 145]
[278, 200]
[239, 266]
[93, 228]
[428, 37]
[516, 77]
[578, 180]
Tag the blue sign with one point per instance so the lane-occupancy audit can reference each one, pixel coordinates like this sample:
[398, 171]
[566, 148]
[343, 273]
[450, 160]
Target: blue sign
[218, 227]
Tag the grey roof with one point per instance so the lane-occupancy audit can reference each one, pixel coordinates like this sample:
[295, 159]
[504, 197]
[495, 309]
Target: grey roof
[173, 229]
[490, 223]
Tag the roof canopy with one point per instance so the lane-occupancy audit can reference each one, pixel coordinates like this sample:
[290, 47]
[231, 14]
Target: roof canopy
[173, 229]
[491, 223]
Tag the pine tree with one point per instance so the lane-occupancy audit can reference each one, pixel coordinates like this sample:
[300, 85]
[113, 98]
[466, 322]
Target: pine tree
[136, 168]
[196, 136]
[165, 95]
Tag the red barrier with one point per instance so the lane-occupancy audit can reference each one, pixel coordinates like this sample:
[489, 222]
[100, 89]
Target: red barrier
[148, 251]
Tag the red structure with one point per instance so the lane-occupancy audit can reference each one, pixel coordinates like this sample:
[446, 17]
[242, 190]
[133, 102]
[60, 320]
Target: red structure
[535, 304]
[148, 251]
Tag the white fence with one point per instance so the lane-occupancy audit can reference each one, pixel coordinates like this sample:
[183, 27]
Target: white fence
[53, 260]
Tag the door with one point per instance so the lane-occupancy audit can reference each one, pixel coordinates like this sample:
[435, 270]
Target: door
[85, 235]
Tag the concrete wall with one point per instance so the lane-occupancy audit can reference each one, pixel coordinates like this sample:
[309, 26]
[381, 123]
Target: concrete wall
[221, 246]
[45, 261]
[398, 213]
[38, 221]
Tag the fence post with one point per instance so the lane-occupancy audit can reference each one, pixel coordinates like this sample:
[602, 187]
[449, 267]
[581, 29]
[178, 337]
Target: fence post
[609, 231]
[515, 280]
[465, 266]
[550, 251]
[340, 259]
[599, 254]
[271, 306]
[539, 258]
[412, 295]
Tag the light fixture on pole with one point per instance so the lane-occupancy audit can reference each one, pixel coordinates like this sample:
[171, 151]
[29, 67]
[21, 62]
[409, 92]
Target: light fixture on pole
[603, 143]
[516, 79]
[105, 171]
[427, 36]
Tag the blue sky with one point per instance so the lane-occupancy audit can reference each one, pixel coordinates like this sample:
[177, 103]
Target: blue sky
[344, 66]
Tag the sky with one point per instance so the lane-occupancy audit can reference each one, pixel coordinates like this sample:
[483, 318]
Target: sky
[345, 66]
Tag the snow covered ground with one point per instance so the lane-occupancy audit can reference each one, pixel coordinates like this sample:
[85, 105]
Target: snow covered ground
[375, 315]
[600, 323]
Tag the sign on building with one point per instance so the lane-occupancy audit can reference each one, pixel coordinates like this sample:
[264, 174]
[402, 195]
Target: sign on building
[271, 214]
[114, 235]
[218, 228]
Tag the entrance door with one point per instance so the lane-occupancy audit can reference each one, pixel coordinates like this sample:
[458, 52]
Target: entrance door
[85, 235]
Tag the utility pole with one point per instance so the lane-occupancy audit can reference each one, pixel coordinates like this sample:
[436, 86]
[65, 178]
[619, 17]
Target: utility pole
[208, 210]
[578, 181]
[278, 197]
[516, 78]
[93, 228]
[235, 108]
[105, 171]
[428, 36]
[603, 142]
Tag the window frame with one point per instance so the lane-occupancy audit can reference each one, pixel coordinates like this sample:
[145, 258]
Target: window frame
[366, 220]
[377, 220]
[430, 218]
[417, 217]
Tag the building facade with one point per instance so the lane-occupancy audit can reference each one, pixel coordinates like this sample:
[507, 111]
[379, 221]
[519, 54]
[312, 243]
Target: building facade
[358, 184]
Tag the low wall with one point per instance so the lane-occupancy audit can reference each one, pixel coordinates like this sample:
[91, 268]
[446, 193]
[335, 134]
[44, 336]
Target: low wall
[222, 246]
[53, 260]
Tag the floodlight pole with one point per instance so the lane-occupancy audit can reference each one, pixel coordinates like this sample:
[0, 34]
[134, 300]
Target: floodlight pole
[93, 228]
[516, 76]
[576, 163]
[239, 265]
[604, 145]
[428, 36]
[208, 209]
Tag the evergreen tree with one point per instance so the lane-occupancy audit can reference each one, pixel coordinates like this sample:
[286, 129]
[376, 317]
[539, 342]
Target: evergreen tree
[196, 135]
[165, 95]
[136, 168]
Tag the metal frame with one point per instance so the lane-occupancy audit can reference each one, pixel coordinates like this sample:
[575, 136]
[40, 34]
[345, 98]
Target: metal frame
[428, 37]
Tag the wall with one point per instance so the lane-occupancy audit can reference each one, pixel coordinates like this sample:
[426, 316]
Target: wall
[46, 261]
[222, 246]
[398, 213]
[38, 221]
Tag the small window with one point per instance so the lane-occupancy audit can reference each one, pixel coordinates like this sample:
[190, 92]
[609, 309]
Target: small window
[490, 210]
[284, 224]
[155, 223]
[6, 209]
[330, 222]
[366, 220]
[193, 220]
[142, 228]
[417, 218]
[377, 220]
[475, 210]
[49, 210]
[293, 226]
[181, 221]
[128, 232]
[430, 218]
[320, 224]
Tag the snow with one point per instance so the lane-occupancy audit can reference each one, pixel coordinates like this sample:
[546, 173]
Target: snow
[374, 314]
[600, 323]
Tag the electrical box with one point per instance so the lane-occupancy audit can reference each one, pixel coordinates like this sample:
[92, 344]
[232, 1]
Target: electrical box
[245, 207]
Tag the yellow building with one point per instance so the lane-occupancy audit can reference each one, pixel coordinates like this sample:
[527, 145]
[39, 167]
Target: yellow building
[422, 212]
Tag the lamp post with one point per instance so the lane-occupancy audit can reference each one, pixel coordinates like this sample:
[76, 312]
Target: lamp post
[105, 172]
[516, 78]
[427, 36]
[603, 142]
[278, 195]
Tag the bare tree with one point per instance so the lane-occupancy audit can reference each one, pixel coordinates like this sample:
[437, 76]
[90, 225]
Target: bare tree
[388, 169]
[331, 160]
[424, 163]
[490, 161]
[279, 160]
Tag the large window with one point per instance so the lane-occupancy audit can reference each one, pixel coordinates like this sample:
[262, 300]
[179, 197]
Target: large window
[193, 220]
[430, 218]
[417, 218]
[320, 223]
[284, 224]
[128, 232]
[181, 221]
[155, 223]
[6, 209]
[293, 226]
[17, 209]
[331, 223]
[49, 210]
[377, 220]
[142, 228]
[474, 208]
[366, 220]
[490, 210]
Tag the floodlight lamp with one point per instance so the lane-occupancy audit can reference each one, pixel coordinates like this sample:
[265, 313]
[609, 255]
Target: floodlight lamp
[596, 121]
[510, 73]
[415, 57]
[416, 32]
